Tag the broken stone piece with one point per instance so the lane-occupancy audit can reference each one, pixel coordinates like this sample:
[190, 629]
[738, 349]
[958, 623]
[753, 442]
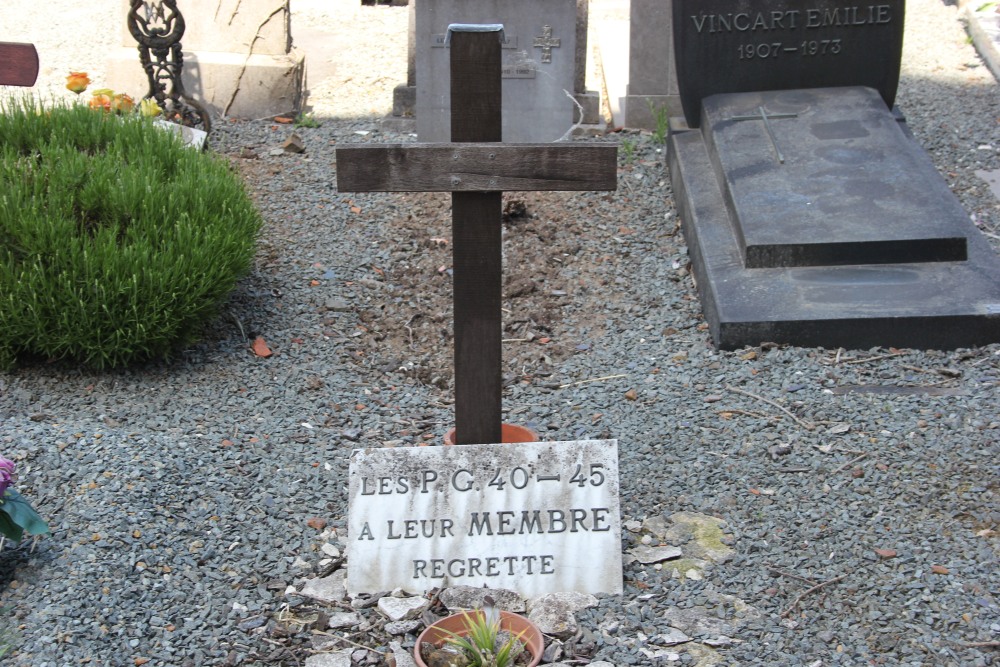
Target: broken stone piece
[697, 622]
[671, 638]
[660, 655]
[554, 614]
[328, 589]
[719, 642]
[341, 658]
[402, 627]
[344, 619]
[401, 655]
[655, 525]
[473, 597]
[647, 554]
[294, 144]
[399, 609]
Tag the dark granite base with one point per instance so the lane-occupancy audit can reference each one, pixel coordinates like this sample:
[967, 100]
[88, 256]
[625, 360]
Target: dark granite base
[938, 305]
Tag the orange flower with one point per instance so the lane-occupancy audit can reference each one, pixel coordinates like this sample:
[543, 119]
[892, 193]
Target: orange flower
[122, 103]
[102, 99]
[77, 82]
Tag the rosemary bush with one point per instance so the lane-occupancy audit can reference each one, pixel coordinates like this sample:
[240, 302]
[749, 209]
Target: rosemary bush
[117, 244]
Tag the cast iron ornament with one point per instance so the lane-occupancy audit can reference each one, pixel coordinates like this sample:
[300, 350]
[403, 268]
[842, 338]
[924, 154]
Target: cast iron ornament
[158, 27]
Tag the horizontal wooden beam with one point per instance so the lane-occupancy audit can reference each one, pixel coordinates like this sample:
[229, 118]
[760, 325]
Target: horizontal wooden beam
[18, 64]
[476, 167]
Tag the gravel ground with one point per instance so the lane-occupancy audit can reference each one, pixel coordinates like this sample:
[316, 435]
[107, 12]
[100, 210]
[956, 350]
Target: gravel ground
[183, 496]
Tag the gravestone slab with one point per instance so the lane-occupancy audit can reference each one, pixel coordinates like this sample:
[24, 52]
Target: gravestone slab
[534, 518]
[868, 246]
[811, 215]
[726, 47]
[538, 60]
[810, 176]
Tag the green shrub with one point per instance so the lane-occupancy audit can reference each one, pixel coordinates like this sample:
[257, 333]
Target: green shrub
[116, 243]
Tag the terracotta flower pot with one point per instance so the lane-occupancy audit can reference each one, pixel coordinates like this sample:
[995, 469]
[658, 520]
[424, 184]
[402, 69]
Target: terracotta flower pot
[509, 433]
[437, 633]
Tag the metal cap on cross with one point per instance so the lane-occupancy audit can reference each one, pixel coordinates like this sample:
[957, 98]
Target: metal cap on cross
[18, 64]
[476, 168]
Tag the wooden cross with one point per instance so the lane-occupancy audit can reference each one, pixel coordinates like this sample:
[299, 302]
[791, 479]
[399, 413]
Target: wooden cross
[476, 174]
[18, 64]
[546, 43]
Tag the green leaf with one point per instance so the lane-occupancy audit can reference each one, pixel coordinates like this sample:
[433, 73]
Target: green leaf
[20, 513]
[9, 529]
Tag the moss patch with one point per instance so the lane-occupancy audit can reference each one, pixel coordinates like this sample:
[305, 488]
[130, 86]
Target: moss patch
[708, 536]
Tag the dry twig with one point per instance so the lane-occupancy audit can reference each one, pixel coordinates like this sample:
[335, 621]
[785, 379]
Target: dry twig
[606, 377]
[795, 603]
[850, 463]
[809, 426]
[876, 358]
[345, 639]
[791, 575]
[976, 644]
[748, 414]
[332, 567]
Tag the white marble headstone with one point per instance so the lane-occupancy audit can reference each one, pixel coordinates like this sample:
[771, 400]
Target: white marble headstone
[535, 518]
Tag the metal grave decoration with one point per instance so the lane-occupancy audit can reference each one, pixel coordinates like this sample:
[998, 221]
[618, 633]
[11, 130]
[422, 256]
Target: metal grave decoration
[158, 26]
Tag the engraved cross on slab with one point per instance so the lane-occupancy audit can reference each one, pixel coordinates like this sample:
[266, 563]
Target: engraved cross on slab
[766, 117]
[476, 169]
[18, 64]
[546, 43]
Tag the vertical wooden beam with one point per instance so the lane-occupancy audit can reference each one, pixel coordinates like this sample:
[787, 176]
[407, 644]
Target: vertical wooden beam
[476, 243]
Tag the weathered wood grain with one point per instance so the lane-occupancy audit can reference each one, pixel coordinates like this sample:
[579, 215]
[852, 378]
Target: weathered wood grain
[468, 167]
[477, 245]
[18, 64]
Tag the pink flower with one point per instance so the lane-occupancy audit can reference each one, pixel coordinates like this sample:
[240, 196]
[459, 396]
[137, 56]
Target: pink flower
[7, 475]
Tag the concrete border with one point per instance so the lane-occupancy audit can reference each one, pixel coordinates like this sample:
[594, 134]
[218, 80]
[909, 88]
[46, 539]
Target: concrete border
[984, 29]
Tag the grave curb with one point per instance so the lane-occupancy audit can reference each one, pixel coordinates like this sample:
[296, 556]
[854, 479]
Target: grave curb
[984, 29]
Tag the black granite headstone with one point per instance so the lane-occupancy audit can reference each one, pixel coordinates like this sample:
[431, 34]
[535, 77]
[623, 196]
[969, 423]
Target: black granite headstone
[853, 240]
[732, 46]
[811, 216]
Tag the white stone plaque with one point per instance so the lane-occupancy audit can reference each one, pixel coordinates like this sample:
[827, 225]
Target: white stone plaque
[536, 518]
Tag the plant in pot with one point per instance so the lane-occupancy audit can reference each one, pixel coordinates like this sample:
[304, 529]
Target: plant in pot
[481, 638]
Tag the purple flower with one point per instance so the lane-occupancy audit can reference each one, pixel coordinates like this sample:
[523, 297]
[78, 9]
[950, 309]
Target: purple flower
[7, 476]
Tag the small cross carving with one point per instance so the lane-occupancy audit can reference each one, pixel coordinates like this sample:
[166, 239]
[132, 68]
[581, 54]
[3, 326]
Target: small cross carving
[546, 43]
[476, 168]
[766, 117]
[18, 64]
